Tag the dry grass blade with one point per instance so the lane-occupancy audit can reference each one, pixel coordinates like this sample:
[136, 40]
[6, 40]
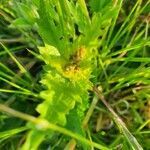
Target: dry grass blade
[122, 127]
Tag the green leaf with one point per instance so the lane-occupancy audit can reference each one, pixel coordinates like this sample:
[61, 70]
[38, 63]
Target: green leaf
[98, 5]
[47, 29]
[19, 23]
[48, 50]
[28, 13]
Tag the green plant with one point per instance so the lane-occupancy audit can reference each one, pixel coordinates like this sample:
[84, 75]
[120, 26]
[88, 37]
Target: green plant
[82, 47]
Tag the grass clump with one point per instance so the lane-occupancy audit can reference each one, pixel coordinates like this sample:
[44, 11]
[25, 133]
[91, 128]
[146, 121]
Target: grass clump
[74, 74]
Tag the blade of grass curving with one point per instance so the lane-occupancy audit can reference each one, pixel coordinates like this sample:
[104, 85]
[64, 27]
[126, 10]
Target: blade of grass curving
[18, 92]
[123, 30]
[15, 49]
[111, 29]
[144, 132]
[43, 124]
[134, 59]
[133, 47]
[9, 133]
[12, 75]
[20, 66]
[7, 69]
[132, 22]
[140, 75]
[13, 40]
[14, 85]
[143, 125]
[130, 57]
[123, 129]
[131, 25]
[5, 75]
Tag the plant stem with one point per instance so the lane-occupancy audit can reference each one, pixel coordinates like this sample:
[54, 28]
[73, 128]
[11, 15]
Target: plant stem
[42, 124]
[130, 138]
